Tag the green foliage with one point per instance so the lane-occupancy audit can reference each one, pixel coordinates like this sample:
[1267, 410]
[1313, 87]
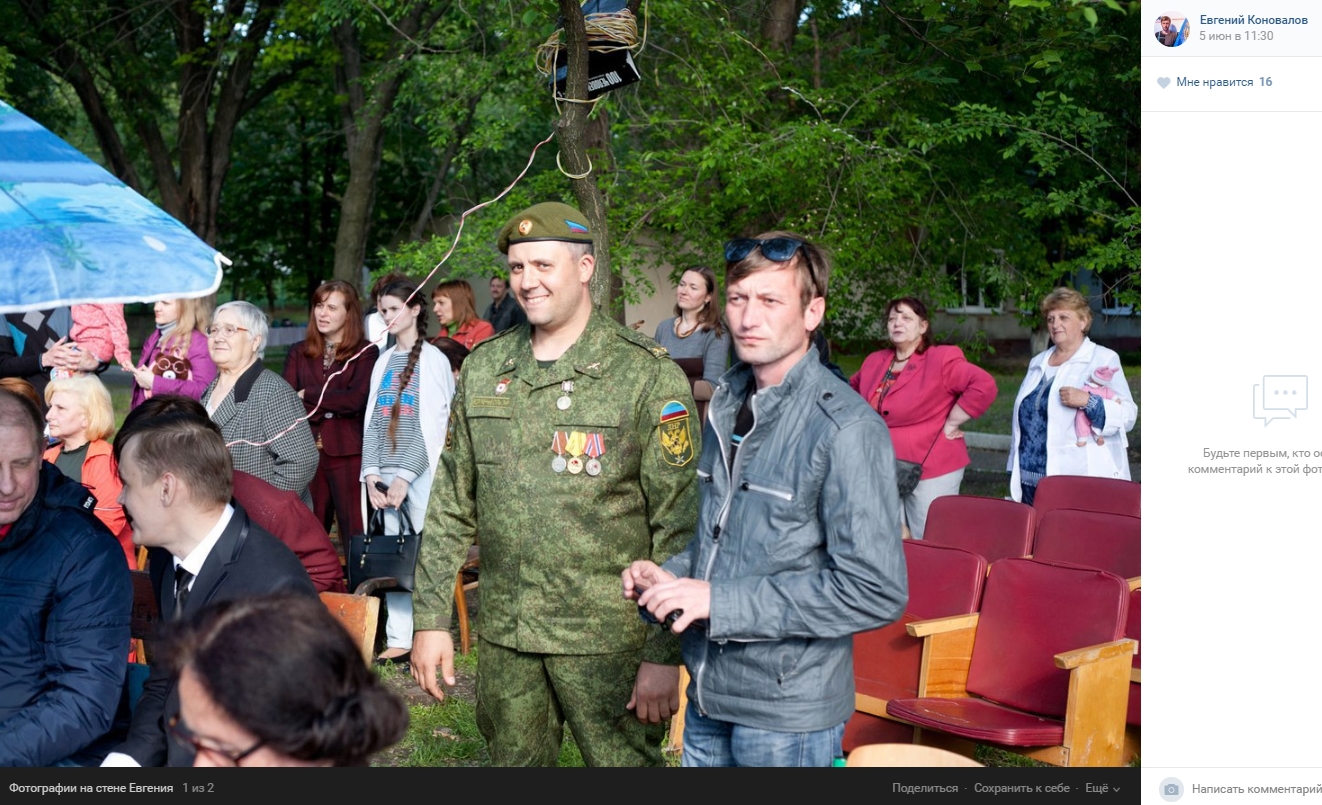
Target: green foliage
[6, 65]
[967, 153]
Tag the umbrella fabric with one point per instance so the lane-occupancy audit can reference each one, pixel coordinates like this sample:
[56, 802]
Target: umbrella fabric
[71, 233]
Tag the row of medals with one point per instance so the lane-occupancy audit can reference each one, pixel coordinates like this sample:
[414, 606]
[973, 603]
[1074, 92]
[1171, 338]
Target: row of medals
[562, 439]
[591, 442]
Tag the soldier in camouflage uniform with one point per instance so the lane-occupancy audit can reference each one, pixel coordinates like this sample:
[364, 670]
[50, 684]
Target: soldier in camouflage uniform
[571, 451]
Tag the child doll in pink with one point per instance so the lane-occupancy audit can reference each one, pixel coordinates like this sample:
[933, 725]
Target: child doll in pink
[1097, 384]
[102, 331]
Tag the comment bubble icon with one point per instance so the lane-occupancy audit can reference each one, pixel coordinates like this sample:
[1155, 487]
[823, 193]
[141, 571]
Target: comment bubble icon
[1285, 393]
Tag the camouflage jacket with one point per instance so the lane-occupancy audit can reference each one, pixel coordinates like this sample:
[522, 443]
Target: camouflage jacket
[619, 414]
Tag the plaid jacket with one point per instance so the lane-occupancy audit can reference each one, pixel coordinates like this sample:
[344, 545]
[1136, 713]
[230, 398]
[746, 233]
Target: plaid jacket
[261, 407]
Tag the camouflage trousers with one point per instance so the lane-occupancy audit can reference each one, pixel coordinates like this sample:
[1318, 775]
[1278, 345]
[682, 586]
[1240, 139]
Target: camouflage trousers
[524, 701]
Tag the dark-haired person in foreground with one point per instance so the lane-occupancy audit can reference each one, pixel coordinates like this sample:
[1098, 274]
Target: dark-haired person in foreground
[65, 597]
[798, 539]
[177, 476]
[277, 681]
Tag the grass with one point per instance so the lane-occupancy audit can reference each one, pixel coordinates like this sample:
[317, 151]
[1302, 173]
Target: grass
[446, 733]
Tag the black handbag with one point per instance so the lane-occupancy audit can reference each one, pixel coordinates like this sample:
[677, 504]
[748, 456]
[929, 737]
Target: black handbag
[907, 475]
[377, 554]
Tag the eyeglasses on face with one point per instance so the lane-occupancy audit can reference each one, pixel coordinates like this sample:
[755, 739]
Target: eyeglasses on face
[225, 330]
[179, 731]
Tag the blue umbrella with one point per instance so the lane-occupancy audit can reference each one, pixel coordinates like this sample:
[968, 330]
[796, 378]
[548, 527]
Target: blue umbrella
[71, 233]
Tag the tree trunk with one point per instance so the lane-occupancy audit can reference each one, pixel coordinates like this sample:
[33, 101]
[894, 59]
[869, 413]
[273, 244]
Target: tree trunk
[781, 23]
[363, 116]
[572, 135]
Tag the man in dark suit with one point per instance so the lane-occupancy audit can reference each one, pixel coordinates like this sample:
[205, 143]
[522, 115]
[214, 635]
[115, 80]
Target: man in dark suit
[177, 476]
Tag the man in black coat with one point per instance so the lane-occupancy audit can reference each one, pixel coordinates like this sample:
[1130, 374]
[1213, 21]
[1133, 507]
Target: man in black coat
[65, 597]
[178, 484]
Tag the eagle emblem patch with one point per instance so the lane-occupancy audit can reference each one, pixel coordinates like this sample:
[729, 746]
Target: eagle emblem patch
[675, 434]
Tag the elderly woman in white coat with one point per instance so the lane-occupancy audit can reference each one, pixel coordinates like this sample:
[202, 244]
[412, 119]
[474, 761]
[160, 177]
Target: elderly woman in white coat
[1073, 375]
[411, 389]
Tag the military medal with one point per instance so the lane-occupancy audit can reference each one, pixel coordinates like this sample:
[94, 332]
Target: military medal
[564, 402]
[502, 385]
[574, 445]
[595, 447]
[558, 463]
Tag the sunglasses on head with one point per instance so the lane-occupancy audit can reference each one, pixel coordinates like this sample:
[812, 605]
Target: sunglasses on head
[777, 250]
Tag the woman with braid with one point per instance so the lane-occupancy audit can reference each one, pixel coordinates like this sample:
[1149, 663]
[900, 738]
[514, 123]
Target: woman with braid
[407, 413]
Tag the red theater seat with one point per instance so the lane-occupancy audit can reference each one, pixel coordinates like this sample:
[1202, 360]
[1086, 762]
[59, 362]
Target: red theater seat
[1042, 669]
[992, 527]
[1085, 493]
[942, 581]
[1093, 539]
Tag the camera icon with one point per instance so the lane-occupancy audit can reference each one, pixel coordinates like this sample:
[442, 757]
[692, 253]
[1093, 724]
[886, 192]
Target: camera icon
[1171, 789]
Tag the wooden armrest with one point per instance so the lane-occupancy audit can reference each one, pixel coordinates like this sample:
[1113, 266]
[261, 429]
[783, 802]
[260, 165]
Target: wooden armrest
[1102, 651]
[371, 586]
[1136, 675]
[951, 623]
[1135, 583]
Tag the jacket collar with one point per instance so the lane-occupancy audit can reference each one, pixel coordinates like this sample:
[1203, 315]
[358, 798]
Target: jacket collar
[1083, 355]
[229, 407]
[54, 491]
[243, 386]
[911, 370]
[739, 381]
[584, 357]
[95, 449]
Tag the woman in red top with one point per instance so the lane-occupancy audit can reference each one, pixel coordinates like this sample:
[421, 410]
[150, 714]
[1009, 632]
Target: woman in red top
[925, 393]
[453, 304]
[80, 415]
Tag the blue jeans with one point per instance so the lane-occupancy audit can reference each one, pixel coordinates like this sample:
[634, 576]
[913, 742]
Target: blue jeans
[708, 742]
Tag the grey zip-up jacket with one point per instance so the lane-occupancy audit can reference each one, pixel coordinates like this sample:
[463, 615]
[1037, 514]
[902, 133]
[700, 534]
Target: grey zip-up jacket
[800, 541]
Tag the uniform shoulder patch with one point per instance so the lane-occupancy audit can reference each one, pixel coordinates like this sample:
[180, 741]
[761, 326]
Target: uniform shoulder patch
[675, 434]
[645, 341]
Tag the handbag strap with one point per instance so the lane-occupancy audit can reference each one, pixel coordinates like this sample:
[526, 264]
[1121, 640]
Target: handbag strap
[376, 525]
[886, 391]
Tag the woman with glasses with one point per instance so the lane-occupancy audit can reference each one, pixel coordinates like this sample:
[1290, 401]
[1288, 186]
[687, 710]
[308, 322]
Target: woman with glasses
[175, 358]
[696, 331]
[259, 414]
[407, 413]
[277, 681]
[924, 393]
[331, 371]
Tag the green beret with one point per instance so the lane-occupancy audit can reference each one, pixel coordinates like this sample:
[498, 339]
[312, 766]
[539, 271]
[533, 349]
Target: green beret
[549, 220]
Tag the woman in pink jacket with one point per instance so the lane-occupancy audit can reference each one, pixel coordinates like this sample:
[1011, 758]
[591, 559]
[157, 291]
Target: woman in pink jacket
[175, 358]
[925, 393]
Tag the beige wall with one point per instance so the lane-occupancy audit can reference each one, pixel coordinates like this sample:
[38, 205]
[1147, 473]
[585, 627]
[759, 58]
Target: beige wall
[656, 308]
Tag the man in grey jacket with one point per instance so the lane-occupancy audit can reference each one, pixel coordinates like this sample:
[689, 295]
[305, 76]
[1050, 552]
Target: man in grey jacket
[798, 539]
